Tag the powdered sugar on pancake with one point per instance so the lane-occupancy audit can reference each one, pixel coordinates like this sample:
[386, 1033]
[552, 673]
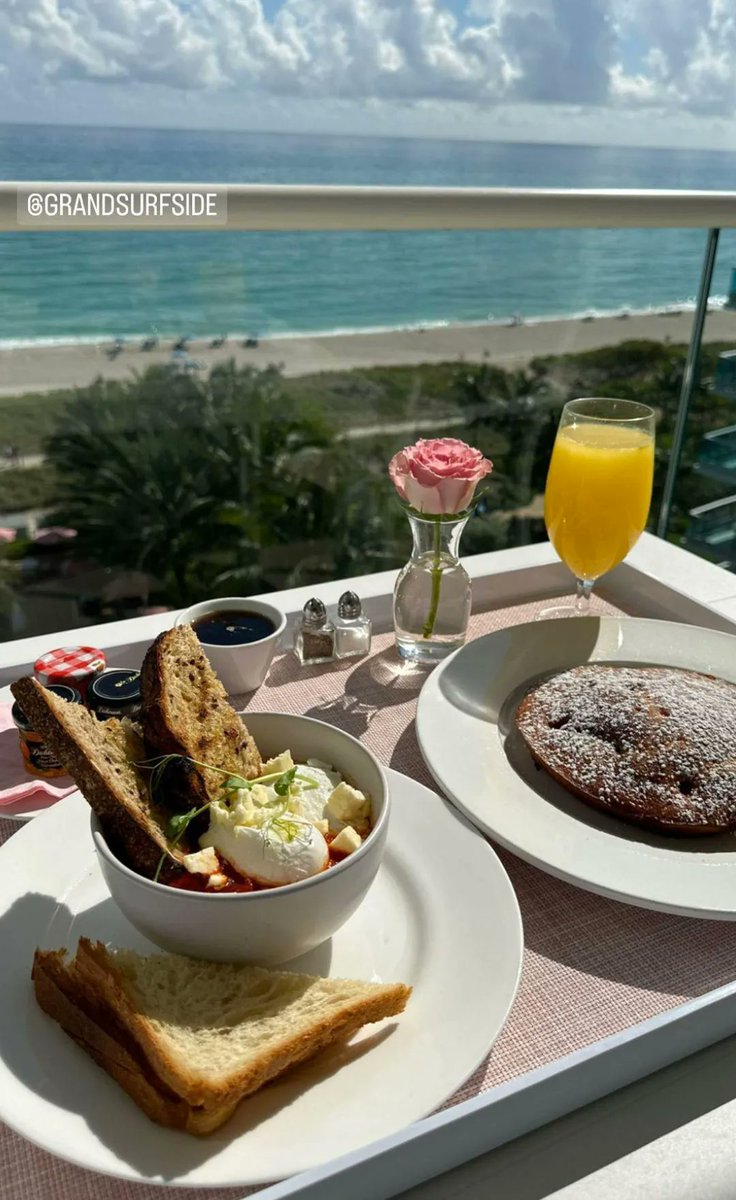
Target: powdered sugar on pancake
[655, 745]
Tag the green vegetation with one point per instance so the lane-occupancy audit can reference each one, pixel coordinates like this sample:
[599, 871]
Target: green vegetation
[247, 481]
[21, 489]
[386, 393]
[25, 421]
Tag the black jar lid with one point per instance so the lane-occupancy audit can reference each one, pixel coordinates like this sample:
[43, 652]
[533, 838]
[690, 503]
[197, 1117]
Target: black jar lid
[59, 689]
[118, 687]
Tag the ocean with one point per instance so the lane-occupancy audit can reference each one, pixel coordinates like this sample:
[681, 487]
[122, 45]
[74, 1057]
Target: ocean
[67, 287]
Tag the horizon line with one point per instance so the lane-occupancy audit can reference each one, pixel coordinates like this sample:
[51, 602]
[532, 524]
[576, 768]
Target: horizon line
[362, 136]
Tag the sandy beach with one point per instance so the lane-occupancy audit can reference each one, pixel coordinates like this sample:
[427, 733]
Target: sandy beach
[45, 368]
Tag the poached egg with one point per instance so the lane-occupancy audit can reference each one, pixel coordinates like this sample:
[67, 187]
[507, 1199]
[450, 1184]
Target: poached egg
[277, 838]
[284, 850]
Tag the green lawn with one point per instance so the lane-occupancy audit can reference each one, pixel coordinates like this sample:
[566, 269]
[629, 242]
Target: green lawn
[368, 396]
[19, 489]
[26, 420]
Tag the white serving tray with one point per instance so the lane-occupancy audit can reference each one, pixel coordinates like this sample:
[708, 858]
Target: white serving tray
[658, 580]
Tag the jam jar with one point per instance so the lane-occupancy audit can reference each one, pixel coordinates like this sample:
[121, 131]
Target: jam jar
[37, 757]
[115, 693]
[74, 666]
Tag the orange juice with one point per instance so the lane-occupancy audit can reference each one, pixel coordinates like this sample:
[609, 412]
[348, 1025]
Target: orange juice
[599, 489]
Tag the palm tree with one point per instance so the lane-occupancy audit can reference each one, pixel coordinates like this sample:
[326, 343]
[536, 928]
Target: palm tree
[185, 478]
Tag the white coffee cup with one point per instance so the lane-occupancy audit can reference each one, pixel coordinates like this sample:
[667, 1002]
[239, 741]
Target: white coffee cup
[241, 668]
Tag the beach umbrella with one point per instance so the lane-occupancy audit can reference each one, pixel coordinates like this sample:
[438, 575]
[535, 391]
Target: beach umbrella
[54, 535]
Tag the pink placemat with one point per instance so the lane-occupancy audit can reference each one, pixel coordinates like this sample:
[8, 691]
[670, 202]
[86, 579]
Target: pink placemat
[16, 784]
[592, 967]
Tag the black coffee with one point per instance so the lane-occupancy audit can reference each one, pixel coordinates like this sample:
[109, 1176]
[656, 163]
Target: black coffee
[232, 628]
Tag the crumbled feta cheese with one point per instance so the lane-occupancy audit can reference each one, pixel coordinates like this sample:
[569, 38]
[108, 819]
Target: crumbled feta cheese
[346, 841]
[260, 796]
[217, 880]
[282, 762]
[347, 804]
[203, 862]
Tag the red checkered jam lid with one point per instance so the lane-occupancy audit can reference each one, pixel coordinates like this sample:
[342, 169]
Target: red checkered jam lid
[69, 664]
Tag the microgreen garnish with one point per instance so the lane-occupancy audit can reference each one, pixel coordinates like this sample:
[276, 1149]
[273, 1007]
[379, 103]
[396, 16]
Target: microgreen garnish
[157, 767]
[283, 784]
[308, 785]
[284, 825]
[178, 823]
[288, 830]
[175, 829]
[235, 783]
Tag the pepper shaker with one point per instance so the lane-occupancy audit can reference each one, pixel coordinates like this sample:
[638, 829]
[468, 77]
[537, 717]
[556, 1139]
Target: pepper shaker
[352, 628]
[314, 636]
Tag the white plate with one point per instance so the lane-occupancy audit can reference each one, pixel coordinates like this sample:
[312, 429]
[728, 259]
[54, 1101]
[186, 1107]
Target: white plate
[467, 736]
[441, 916]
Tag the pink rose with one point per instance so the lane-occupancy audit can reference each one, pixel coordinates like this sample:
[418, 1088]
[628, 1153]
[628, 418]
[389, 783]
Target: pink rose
[438, 475]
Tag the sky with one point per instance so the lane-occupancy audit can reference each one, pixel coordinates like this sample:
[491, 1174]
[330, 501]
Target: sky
[627, 72]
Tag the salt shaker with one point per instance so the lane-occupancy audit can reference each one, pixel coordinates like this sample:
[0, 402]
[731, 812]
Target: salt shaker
[352, 628]
[314, 636]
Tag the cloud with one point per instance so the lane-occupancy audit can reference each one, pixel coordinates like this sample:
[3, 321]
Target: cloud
[401, 49]
[559, 51]
[688, 64]
[141, 40]
[410, 52]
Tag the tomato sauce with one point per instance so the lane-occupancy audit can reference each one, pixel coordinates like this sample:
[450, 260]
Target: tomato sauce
[190, 882]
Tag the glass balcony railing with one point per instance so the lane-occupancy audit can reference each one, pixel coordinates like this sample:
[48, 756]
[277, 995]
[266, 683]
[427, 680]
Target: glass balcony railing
[186, 414]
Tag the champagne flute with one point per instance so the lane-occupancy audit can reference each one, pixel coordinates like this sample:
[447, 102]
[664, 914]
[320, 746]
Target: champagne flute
[599, 489]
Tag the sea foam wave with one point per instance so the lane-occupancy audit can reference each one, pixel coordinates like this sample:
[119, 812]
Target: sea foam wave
[493, 320]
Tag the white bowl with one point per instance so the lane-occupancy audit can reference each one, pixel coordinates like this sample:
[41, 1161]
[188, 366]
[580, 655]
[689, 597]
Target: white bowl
[240, 668]
[277, 924]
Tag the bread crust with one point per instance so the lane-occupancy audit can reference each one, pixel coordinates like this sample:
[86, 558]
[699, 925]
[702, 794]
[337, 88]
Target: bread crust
[186, 711]
[89, 998]
[99, 756]
[62, 998]
[104, 979]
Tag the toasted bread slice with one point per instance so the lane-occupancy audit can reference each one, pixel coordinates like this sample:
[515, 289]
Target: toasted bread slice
[186, 711]
[172, 1030]
[215, 1031]
[93, 1027]
[100, 757]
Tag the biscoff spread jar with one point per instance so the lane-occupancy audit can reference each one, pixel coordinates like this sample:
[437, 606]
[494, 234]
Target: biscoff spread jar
[74, 666]
[38, 758]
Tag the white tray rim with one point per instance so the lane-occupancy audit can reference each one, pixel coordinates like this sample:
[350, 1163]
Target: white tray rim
[651, 581]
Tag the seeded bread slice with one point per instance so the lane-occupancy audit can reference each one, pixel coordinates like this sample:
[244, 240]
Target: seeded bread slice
[186, 711]
[100, 757]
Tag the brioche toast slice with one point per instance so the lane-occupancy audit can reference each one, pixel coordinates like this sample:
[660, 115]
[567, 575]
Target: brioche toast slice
[100, 757]
[62, 995]
[202, 1033]
[186, 711]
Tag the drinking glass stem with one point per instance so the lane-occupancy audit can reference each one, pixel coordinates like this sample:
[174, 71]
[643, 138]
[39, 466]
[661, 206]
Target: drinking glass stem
[436, 583]
[582, 600]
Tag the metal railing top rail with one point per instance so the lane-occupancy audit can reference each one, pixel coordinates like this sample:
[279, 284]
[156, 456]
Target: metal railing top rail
[295, 207]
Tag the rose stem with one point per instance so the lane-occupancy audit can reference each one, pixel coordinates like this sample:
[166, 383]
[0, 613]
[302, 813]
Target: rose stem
[436, 582]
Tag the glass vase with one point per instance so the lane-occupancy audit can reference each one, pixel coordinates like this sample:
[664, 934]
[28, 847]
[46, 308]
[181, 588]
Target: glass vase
[432, 593]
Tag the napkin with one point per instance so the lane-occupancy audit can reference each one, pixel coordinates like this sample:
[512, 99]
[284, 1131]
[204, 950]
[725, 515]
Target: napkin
[15, 782]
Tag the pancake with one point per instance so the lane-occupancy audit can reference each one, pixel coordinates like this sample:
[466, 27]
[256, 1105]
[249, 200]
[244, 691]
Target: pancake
[652, 745]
